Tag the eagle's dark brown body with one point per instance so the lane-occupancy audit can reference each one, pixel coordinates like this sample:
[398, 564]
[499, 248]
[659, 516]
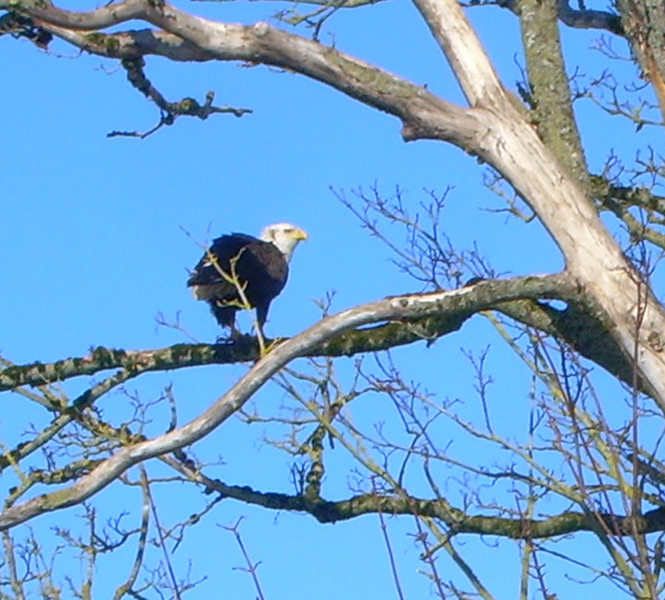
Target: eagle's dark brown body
[240, 271]
[259, 268]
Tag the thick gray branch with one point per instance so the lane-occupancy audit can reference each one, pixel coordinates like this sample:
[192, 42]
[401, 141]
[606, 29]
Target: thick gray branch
[399, 308]
[347, 343]
[549, 86]
[464, 50]
[263, 44]
[99, 18]
[579, 326]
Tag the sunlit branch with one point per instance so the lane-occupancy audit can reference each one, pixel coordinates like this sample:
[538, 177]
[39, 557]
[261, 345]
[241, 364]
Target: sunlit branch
[464, 51]
[582, 329]
[347, 343]
[139, 557]
[260, 43]
[402, 307]
[133, 44]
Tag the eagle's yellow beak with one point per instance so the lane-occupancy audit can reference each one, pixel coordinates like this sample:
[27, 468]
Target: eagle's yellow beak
[299, 234]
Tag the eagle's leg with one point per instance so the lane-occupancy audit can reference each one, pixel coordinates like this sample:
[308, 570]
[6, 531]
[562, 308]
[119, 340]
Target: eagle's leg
[261, 317]
[234, 335]
[226, 317]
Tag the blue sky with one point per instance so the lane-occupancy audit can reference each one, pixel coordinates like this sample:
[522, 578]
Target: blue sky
[97, 235]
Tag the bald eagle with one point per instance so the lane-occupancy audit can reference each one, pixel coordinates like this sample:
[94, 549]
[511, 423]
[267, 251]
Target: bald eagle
[238, 265]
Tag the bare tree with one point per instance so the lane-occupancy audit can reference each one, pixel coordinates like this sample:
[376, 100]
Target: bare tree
[605, 478]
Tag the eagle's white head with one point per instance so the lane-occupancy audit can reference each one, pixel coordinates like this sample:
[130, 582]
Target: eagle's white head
[285, 236]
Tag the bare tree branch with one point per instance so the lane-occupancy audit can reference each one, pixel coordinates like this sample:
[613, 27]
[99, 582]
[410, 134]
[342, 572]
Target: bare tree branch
[262, 43]
[401, 307]
[579, 327]
[586, 18]
[582, 329]
[582, 18]
[463, 49]
[500, 134]
[459, 521]
[549, 88]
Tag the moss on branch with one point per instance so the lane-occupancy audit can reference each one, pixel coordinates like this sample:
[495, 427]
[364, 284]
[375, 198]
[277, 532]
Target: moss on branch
[549, 86]
[582, 327]
[619, 199]
[455, 519]
[101, 359]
